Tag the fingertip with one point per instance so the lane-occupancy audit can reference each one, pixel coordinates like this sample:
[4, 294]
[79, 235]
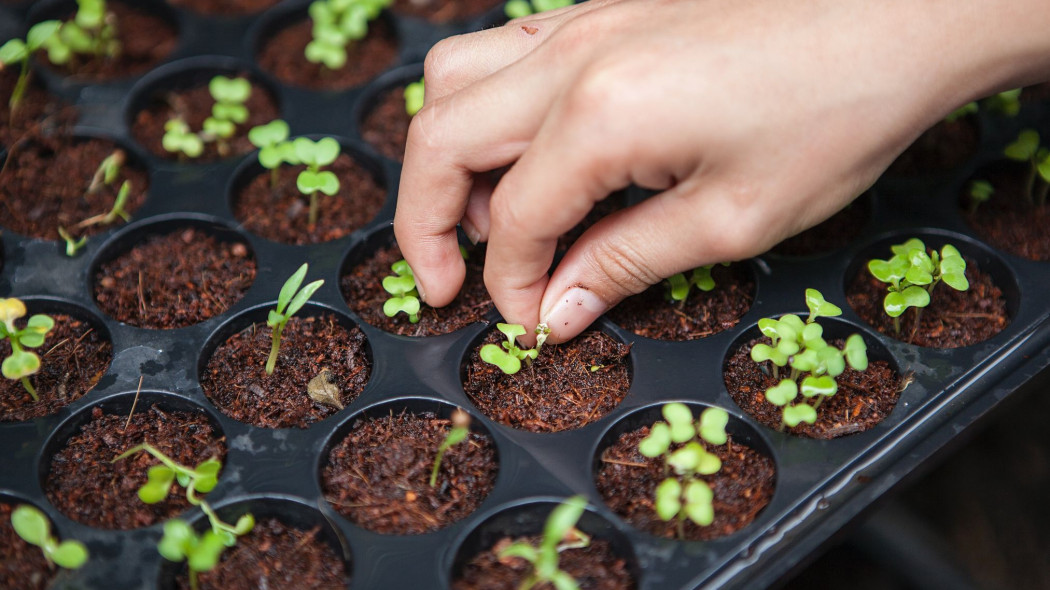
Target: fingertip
[571, 312]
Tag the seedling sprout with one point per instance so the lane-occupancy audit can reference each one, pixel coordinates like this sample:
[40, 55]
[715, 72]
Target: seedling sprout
[1026, 148]
[17, 51]
[509, 356]
[116, 212]
[559, 534]
[274, 147]
[108, 170]
[92, 31]
[34, 528]
[980, 191]
[179, 139]
[414, 94]
[404, 296]
[337, 24]
[229, 109]
[678, 286]
[520, 8]
[316, 155]
[457, 434]
[73, 245]
[289, 301]
[22, 363]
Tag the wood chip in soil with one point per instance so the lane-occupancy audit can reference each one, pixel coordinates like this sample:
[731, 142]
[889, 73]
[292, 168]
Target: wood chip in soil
[40, 112]
[627, 481]
[385, 126]
[651, 315]
[443, 11]
[282, 56]
[379, 475]
[224, 7]
[595, 567]
[193, 105]
[939, 149]
[46, 182]
[73, 358]
[174, 280]
[363, 291]
[559, 390]
[274, 555]
[145, 40]
[86, 485]
[864, 398]
[953, 318]
[282, 213]
[830, 235]
[1008, 220]
[235, 378]
[22, 565]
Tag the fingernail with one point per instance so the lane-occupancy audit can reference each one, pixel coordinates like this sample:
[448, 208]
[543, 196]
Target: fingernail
[419, 289]
[472, 232]
[576, 309]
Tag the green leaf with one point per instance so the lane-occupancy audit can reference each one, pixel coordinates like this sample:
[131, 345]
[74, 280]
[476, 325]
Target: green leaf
[795, 415]
[687, 459]
[158, 484]
[236, 113]
[657, 442]
[409, 305]
[782, 393]
[205, 555]
[522, 550]
[981, 191]
[329, 182]
[813, 386]
[1043, 165]
[269, 134]
[20, 364]
[680, 419]
[229, 90]
[303, 296]
[511, 331]
[709, 464]
[414, 97]
[290, 287]
[177, 541]
[896, 304]
[70, 555]
[702, 278]
[563, 581]
[399, 285]
[793, 322]
[805, 361]
[668, 499]
[326, 150]
[888, 271]
[31, 524]
[517, 8]
[698, 502]
[856, 352]
[219, 127]
[678, 287]
[763, 352]
[812, 336]
[831, 361]
[561, 520]
[40, 33]
[1024, 147]
[244, 525]
[712, 427]
[818, 307]
[12, 52]
[768, 327]
[494, 355]
[904, 250]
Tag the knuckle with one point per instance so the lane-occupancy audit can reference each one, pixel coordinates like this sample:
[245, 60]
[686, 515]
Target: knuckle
[439, 66]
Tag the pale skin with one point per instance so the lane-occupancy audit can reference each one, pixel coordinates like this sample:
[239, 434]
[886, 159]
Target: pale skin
[755, 118]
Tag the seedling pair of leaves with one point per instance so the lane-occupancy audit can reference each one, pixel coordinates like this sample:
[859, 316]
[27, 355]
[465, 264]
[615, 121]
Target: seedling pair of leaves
[289, 301]
[1026, 148]
[92, 32]
[275, 149]
[17, 51]
[22, 363]
[520, 8]
[337, 24]
[105, 175]
[229, 110]
[34, 528]
[404, 295]
[559, 534]
[508, 356]
[801, 346]
[912, 274]
[678, 286]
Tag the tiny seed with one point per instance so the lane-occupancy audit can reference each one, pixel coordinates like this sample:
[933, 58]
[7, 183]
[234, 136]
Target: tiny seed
[411, 496]
[108, 282]
[239, 250]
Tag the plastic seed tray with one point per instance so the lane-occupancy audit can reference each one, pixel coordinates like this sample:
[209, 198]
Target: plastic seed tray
[820, 484]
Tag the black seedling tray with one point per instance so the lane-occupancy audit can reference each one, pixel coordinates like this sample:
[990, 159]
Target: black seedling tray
[820, 485]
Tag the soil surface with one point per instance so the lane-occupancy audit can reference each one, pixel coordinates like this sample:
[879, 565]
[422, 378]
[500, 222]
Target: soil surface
[73, 358]
[282, 56]
[594, 567]
[38, 113]
[385, 127]
[941, 148]
[379, 475]
[363, 290]
[282, 214]
[559, 391]
[650, 314]
[22, 565]
[194, 105]
[274, 555]
[224, 7]
[174, 280]
[953, 318]
[311, 347]
[830, 235]
[1008, 220]
[46, 182]
[743, 486]
[145, 40]
[443, 11]
[864, 398]
[86, 485]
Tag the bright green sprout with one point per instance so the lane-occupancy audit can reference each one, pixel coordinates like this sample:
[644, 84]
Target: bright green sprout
[199, 480]
[1026, 148]
[17, 51]
[289, 301]
[108, 171]
[73, 245]
[520, 8]
[22, 363]
[35, 529]
[316, 155]
[509, 357]
[200, 552]
[981, 191]
[414, 97]
[814, 363]
[404, 297]
[969, 108]
[678, 286]
[116, 212]
[92, 32]
[274, 147]
[457, 434]
[912, 274]
[229, 110]
[337, 24]
[1007, 102]
[559, 534]
[179, 139]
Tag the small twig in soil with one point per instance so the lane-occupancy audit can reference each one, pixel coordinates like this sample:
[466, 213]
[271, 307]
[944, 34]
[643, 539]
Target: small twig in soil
[624, 463]
[133, 404]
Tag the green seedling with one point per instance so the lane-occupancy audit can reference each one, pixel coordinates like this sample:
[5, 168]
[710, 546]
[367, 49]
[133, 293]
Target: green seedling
[336, 25]
[34, 528]
[73, 245]
[1007, 102]
[510, 356]
[17, 51]
[274, 147]
[229, 110]
[200, 552]
[980, 191]
[678, 286]
[22, 363]
[316, 155]
[289, 301]
[108, 171]
[457, 434]
[116, 212]
[199, 480]
[559, 534]
[1026, 148]
[520, 8]
[813, 362]
[684, 495]
[404, 297]
[414, 94]
[912, 274]
[179, 139]
[92, 32]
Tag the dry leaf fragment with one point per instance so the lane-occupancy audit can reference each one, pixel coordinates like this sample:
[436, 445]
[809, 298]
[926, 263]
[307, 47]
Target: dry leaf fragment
[322, 389]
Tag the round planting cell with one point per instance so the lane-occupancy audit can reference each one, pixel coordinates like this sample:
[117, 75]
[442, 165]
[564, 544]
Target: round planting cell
[323, 364]
[378, 467]
[36, 105]
[380, 113]
[627, 480]
[79, 473]
[22, 565]
[172, 273]
[1015, 216]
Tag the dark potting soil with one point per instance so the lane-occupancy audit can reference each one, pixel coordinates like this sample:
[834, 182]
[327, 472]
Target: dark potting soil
[385, 127]
[379, 475]
[363, 291]
[830, 235]
[1008, 220]
[224, 7]
[594, 567]
[274, 555]
[282, 56]
[650, 314]
[194, 105]
[22, 565]
[864, 398]
[1036, 93]
[953, 318]
[559, 391]
[282, 214]
[145, 40]
[443, 11]
[627, 481]
[235, 379]
[86, 485]
[46, 183]
[73, 358]
[939, 149]
[38, 113]
[174, 280]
